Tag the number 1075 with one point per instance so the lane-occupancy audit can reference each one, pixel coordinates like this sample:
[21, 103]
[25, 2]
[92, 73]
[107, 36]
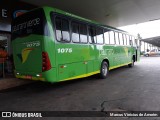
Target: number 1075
[64, 50]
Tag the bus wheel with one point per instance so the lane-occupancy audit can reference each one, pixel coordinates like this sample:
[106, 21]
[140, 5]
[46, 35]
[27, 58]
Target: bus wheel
[132, 64]
[104, 70]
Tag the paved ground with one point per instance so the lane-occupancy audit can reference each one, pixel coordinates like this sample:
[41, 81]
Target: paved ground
[6, 83]
[130, 89]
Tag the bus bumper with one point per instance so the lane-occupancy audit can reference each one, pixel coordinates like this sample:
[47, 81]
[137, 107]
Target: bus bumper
[48, 76]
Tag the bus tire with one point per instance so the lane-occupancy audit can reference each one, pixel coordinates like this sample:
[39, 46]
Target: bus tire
[131, 64]
[104, 70]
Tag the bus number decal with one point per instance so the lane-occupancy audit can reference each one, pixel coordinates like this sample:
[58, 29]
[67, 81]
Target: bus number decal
[64, 50]
[33, 44]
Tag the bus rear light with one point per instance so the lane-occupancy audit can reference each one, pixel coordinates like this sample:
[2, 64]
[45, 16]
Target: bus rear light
[46, 65]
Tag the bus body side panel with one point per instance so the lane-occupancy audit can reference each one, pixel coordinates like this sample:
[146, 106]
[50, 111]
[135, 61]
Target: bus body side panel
[125, 56]
[76, 60]
[94, 56]
[72, 60]
[107, 53]
[138, 54]
[117, 55]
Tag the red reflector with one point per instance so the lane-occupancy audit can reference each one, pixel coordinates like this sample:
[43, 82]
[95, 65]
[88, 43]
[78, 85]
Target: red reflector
[62, 66]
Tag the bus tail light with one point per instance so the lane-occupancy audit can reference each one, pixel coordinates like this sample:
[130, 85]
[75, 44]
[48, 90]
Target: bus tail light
[46, 65]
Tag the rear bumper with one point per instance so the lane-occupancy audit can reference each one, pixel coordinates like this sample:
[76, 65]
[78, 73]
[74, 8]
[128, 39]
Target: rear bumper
[48, 76]
[29, 77]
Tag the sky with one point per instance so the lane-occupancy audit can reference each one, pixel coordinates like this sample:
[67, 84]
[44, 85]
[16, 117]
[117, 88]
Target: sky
[146, 30]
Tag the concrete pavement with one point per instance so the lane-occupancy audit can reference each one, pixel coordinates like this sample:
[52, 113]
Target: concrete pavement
[128, 89]
[6, 83]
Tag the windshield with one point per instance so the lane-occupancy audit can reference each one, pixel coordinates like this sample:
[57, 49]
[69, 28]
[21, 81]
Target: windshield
[33, 22]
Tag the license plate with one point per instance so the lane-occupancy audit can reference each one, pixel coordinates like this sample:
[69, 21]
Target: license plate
[28, 77]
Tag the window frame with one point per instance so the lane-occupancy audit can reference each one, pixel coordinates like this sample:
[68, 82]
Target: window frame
[108, 36]
[110, 31]
[54, 27]
[102, 35]
[113, 37]
[88, 27]
[116, 37]
[84, 23]
[121, 39]
[72, 21]
[128, 40]
[124, 39]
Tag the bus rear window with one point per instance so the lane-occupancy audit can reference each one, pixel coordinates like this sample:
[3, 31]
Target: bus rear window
[33, 22]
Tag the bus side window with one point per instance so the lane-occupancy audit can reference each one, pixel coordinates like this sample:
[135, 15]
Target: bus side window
[83, 33]
[121, 39]
[116, 38]
[106, 36]
[99, 35]
[58, 29]
[75, 32]
[131, 41]
[125, 40]
[62, 29]
[65, 30]
[128, 43]
[92, 34]
[111, 34]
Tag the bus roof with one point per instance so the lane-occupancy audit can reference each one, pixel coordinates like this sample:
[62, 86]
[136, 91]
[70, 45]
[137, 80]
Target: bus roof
[49, 9]
[80, 18]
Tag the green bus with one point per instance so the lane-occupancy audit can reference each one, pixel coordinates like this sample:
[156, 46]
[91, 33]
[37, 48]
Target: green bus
[53, 45]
